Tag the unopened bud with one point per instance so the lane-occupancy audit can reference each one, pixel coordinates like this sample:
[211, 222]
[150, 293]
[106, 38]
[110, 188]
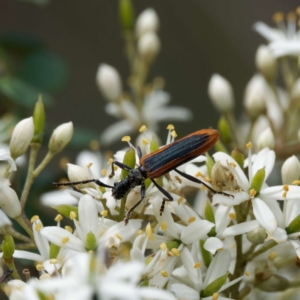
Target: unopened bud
[61, 136]
[8, 247]
[77, 173]
[224, 129]
[274, 283]
[290, 170]
[39, 121]
[257, 236]
[9, 201]
[220, 93]
[146, 22]
[149, 46]
[266, 139]
[266, 62]
[255, 94]
[21, 137]
[109, 82]
[238, 157]
[126, 14]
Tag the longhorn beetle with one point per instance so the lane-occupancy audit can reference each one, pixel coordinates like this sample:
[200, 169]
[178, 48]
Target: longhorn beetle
[157, 164]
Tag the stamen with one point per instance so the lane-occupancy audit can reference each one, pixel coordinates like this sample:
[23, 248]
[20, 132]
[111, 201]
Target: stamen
[45, 276]
[117, 235]
[110, 161]
[94, 145]
[145, 141]
[163, 246]
[180, 200]
[164, 273]
[58, 218]
[139, 232]
[232, 164]
[103, 172]
[104, 213]
[149, 232]
[175, 251]
[143, 128]
[39, 267]
[296, 182]
[63, 162]
[173, 134]
[69, 228]
[286, 188]
[278, 17]
[34, 218]
[249, 145]
[53, 261]
[191, 219]
[291, 16]
[272, 255]
[163, 226]
[126, 138]
[65, 240]
[215, 296]
[247, 273]
[232, 216]
[252, 192]
[38, 227]
[197, 265]
[89, 165]
[73, 215]
[170, 127]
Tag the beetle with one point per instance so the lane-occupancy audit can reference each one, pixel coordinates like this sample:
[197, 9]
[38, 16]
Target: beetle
[158, 163]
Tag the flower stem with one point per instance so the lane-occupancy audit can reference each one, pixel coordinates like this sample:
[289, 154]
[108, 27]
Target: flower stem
[29, 179]
[24, 225]
[268, 245]
[43, 164]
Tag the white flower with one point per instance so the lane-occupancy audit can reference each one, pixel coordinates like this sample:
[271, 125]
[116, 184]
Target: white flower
[105, 233]
[154, 110]
[284, 40]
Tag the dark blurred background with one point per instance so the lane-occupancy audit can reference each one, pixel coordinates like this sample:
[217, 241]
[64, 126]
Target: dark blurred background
[198, 38]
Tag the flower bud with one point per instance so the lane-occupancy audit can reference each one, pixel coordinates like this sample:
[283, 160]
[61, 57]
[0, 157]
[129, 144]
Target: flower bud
[223, 127]
[9, 201]
[220, 93]
[290, 170]
[266, 62]
[109, 82]
[77, 173]
[148, 46]
[274, 283]
[266, 139]
[254, 98]
[8, 247]
[126, 14]
[21, 137]
[257, 236]
[39, 121]
[61, 136]
[146, 22]
[4, 220]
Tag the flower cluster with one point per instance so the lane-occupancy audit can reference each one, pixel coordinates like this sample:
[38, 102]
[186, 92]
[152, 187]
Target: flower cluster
[239, 239]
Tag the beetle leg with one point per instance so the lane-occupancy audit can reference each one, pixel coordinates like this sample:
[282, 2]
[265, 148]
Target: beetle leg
[143, 193]
[97, 181]
[192, 178]
[120, 165]
[139, 152]
[167, 194]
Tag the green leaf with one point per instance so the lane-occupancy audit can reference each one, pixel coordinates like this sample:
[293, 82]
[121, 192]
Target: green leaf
[294, 226]
[205, 254]
[21, 92]
[66, 209]
[214, 286]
